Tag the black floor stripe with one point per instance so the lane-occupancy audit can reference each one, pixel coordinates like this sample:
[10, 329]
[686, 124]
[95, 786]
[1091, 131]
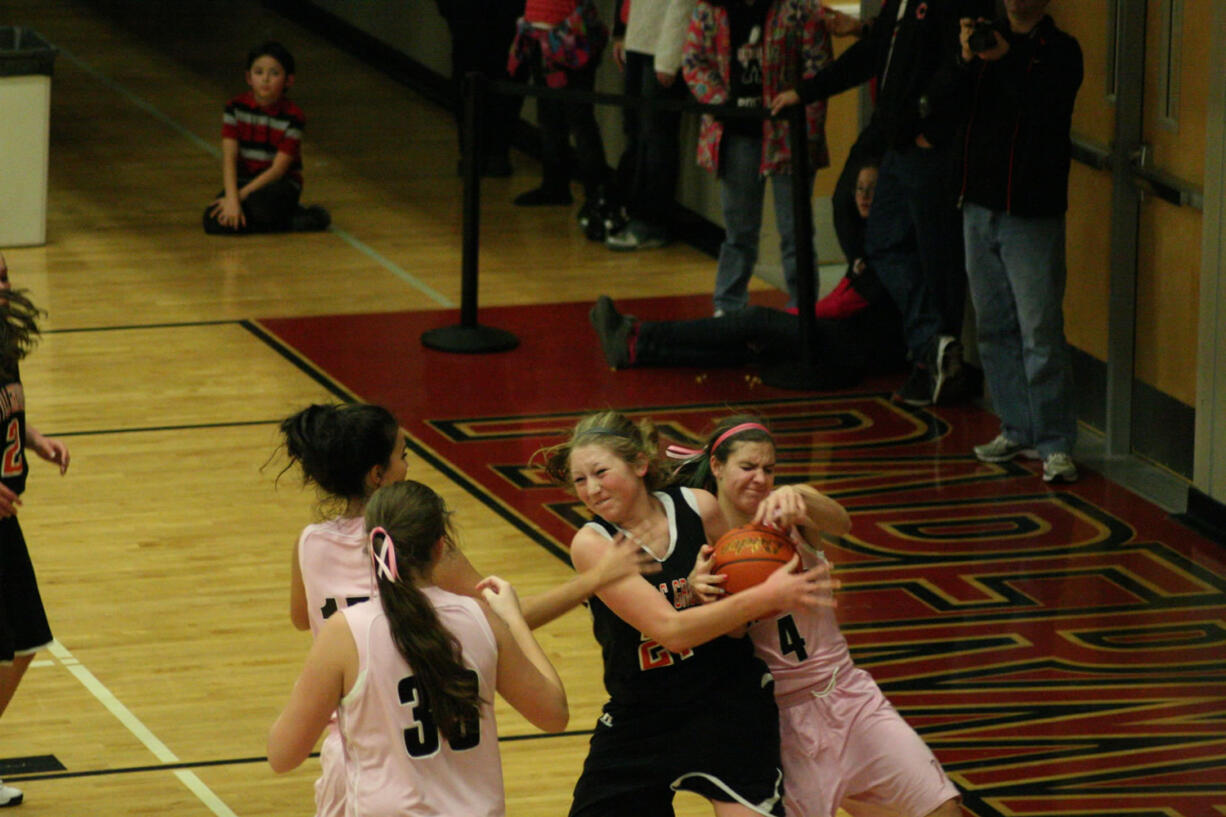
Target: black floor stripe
[17, 773]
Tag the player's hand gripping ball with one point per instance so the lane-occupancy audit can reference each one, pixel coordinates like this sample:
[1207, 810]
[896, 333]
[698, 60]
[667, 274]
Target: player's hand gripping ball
[750, 553]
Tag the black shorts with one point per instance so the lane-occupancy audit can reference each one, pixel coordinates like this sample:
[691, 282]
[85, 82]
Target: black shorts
[23, 621]
[725, 750]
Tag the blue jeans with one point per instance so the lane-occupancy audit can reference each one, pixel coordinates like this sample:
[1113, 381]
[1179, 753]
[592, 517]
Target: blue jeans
[1017, 273]
[741, 191]
[914, 243]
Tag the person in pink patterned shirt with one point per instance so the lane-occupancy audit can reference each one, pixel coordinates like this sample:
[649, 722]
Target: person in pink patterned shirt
[744, 53]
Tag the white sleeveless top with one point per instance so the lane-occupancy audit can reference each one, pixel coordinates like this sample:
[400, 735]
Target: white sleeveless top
[396, 762]
[336, 567]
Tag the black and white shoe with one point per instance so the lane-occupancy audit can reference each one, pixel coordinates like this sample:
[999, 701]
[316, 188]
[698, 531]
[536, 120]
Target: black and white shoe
[10, 796]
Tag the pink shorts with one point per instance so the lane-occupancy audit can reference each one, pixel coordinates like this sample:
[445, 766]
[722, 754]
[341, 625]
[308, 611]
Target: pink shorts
[851, 748]
[331, 785]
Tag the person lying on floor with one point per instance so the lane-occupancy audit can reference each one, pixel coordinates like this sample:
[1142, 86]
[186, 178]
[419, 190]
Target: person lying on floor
[857, 330]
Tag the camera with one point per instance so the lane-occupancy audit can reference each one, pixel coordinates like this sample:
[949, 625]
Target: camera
[983, 38]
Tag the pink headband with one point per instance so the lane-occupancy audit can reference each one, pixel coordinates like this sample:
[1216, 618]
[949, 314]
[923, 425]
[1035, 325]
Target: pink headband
[385, 560]
[681, 452]
[737, 429]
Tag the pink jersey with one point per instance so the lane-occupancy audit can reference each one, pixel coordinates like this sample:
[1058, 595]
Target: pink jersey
[336, 572]
[336, 567]
[802, 649]
[395, 759]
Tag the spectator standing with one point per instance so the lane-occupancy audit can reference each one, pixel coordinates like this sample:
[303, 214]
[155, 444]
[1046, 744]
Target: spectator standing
[1021, 86]
[560, 43]
[655, 35]
[744, 53]
[913, 237]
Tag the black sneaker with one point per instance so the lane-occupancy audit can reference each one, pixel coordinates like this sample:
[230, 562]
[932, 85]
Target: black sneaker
[591, 221]
[614, 217]
[918, 388]
[613, 329]
[311, 219]
[544, 197]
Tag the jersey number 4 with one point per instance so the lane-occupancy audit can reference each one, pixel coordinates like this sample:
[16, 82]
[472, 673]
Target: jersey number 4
[12, 463]
[790, 639]
[421, 738]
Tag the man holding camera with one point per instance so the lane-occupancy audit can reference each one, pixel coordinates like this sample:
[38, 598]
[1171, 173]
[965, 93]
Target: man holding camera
[1021, 79]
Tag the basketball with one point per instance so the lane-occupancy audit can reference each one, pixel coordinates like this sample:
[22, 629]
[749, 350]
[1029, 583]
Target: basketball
[750, 553]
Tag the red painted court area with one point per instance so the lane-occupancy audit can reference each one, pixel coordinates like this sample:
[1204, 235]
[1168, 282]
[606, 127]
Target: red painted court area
[1063, 650]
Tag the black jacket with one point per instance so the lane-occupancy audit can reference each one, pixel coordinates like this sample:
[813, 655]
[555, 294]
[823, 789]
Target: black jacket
[920, 91]
[1018, 116]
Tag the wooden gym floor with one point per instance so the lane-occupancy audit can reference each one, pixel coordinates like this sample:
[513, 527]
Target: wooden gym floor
[170, 356]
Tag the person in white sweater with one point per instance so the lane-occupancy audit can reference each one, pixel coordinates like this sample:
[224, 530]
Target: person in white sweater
[650, 55]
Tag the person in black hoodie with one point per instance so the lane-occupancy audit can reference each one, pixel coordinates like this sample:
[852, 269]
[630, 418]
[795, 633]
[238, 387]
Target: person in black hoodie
[913, 236]
[481, 35]
[1020, 84]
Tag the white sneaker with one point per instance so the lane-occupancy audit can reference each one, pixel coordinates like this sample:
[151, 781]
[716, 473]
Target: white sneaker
[10, 796]
[1059, 467]
[1002, 449]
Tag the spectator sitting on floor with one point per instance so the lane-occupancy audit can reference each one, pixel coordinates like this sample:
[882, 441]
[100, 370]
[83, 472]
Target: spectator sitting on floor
[261, 154]
[858, 330]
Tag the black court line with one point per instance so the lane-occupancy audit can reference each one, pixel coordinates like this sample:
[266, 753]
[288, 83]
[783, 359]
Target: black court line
[237, 761]
[186, 427]
[125, 327]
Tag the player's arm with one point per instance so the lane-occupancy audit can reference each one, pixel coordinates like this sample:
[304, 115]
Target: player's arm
[298, 613]
[315, 696]
[456, 574]
[48, 448]
[806, 507]
[526, 678]
[643, 607]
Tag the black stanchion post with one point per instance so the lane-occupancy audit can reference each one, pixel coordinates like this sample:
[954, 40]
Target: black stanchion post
[802, 373]
[469, 336]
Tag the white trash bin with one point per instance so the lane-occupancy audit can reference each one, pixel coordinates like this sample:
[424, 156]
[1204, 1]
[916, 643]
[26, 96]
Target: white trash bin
[26, 61]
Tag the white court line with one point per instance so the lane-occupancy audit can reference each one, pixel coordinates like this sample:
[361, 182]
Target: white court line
[124, 715]
[391, 266]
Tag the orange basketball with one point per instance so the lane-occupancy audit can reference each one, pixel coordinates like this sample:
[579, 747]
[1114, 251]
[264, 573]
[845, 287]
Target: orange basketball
[750, 553]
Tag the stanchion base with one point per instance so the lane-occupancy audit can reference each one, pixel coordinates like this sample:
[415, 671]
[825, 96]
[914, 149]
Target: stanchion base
[471, 340]
[797, 376]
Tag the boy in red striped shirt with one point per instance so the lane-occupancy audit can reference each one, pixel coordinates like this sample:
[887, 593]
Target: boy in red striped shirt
[261, 161]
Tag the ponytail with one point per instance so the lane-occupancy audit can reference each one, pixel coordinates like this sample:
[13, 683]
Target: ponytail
[405, 521]
[335, 446]
[18, 330]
